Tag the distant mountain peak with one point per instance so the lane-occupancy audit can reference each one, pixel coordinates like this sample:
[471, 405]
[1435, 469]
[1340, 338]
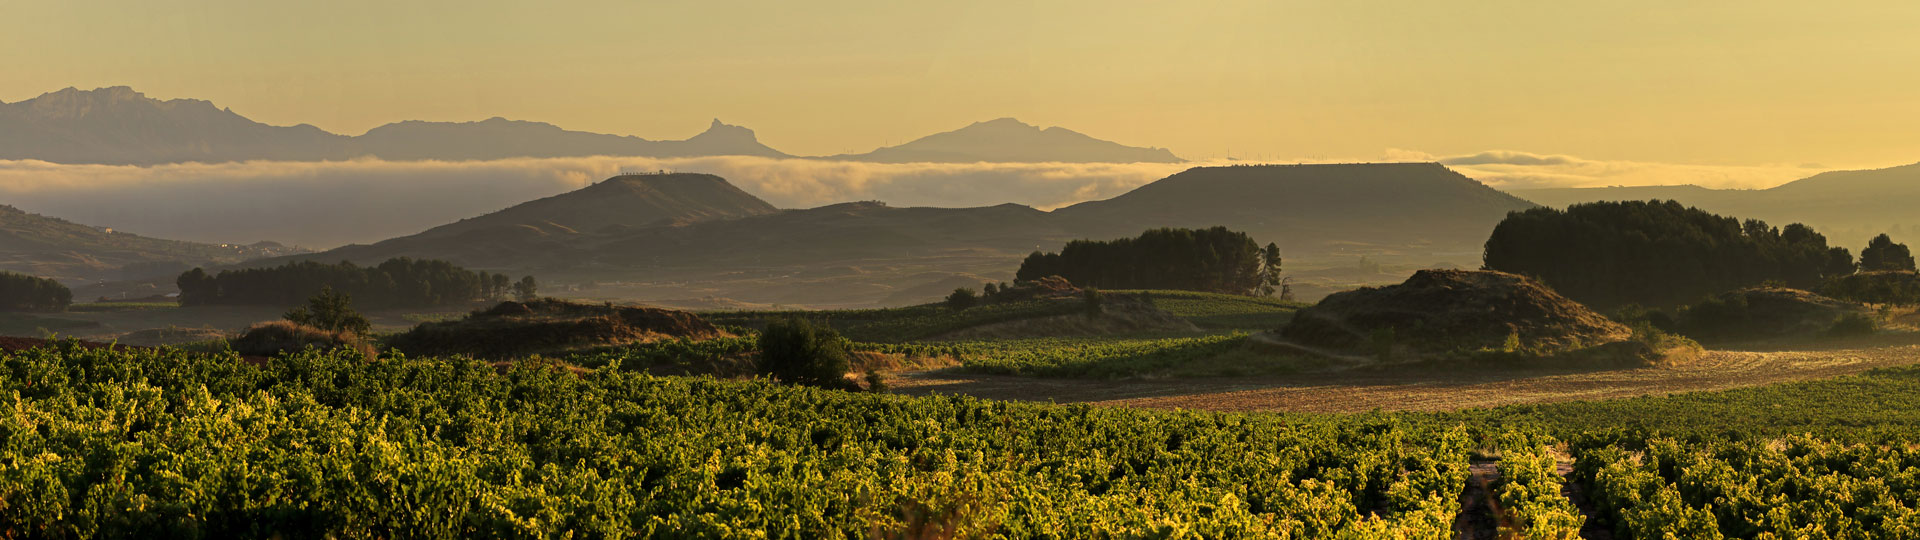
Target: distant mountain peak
[718, 131]
[1008, 139]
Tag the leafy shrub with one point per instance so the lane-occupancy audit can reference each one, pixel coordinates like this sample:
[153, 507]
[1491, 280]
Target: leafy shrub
[331, 311]
[1854, 324]
[962, 298]
[795, 351]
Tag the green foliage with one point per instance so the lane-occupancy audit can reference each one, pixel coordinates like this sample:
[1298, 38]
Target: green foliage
[1879, 287]
[1653, 253]
[796, 351]
[158, 443]
[899, 325]
[962, 298]
[1529, 493]
[399, 282]
[1213, 260]
[1090, 356]
[1213, 311]
[332, 312]
[1882, 253]
[1854, 324]
[21, 292]
[1092, 300]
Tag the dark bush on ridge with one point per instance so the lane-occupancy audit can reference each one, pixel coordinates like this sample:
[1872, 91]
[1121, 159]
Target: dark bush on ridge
[1657, 254]
[1209, 260]
[796, 351]
[21, 292]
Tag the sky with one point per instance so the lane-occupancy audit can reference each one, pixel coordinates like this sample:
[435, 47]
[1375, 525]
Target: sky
[1759, 83]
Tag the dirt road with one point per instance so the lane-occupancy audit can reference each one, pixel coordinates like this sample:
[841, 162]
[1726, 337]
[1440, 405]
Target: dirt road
[1429, 389]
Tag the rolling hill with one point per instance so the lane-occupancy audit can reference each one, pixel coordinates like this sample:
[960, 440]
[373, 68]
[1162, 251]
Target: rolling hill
[1007, 140]
[1848, 206]
[1415, 209]
[697, 239]
[73, 253]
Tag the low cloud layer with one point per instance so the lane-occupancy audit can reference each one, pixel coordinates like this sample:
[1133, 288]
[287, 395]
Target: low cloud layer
[1507, 169]
[326, 204]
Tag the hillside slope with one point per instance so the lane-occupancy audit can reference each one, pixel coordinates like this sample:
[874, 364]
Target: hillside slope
[71, 252]
[1848, 206]
[1416, 209]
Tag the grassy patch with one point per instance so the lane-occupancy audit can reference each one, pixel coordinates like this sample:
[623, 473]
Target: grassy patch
[898, 325]
[26, 325]
[1215, 311]
[104, 307]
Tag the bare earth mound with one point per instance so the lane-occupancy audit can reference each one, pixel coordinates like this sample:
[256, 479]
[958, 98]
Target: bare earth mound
[1453, 313]
[517, 329]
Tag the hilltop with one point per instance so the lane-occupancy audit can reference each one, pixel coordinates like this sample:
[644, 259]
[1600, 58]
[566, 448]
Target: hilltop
[1849, 206]
[56, 248]
[1008, 140]
[1416, 208]
[697, 239]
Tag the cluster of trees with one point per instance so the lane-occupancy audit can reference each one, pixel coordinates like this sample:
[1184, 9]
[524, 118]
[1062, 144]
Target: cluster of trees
[399, 282]
[1211, 260]
[1655, 253]
[21, 292]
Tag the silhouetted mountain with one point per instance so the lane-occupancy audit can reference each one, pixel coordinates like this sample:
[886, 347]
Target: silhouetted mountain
[1414, 208]
[715, 241]
[1848, 206]
[633, 200]
[1008, 140]
[120, 126]
[56, 248]
[496, 138]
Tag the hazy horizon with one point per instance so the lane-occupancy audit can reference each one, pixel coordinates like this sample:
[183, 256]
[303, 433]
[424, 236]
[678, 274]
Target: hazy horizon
[1773, 84]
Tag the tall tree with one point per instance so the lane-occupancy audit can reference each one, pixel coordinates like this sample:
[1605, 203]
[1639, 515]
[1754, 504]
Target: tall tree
[526, 290]
[1883, 254]
[1214, 260]
[331, 311]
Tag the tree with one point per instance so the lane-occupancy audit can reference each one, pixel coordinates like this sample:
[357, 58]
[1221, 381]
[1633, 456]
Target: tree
[330, 311]
[397, 282]
[21, 292]
[1213, 260]
[795, 351]
[990, 290]
[526, 290]
[1270, 269]
[1656, 253]
[962, 298]
[1883, 254]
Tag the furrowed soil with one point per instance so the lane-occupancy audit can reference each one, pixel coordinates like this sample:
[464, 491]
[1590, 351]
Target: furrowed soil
[1435, 388]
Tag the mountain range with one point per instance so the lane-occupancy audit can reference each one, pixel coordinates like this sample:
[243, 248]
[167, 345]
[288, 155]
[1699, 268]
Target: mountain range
[1848, 206]
[690, 236]
[120, 126]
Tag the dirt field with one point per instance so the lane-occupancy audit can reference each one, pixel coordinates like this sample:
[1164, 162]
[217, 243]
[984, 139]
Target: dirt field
[1428, 389]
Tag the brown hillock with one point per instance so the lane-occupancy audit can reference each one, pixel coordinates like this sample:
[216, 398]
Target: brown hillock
[1454, 313]
[549, 326]
[281, 337]
[1764, 312]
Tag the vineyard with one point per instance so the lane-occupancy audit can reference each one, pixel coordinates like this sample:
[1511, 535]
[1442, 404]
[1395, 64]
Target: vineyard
[169, 443]
[1214, 311]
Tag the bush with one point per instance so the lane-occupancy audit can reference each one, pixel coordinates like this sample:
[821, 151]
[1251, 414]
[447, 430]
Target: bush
[796, 351]
[962, 298]
[1854, 324]
[282, 337]
[21, 292]
[331, 311]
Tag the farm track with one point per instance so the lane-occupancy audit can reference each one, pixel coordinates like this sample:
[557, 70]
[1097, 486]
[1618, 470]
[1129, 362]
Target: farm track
[1432, 388]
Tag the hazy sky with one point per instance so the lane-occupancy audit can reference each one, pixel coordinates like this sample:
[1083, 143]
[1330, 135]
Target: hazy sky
[1701, 82]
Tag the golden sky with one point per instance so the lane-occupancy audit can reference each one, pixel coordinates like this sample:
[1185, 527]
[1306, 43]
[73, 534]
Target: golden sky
[1703, 82]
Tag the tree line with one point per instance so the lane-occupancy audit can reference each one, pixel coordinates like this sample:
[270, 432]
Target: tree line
[21, 292]
[1212, 260]
[1658, 253]
[398, 282]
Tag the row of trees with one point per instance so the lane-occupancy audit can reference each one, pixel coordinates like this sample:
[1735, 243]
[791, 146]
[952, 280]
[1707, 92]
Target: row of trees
[21, 292]
[1212, 260]
[399, 282]
[1658, 253]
